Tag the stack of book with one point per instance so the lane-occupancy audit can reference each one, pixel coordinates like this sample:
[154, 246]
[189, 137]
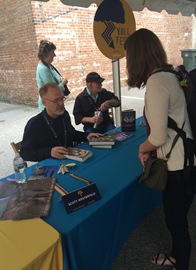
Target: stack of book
[106, 141]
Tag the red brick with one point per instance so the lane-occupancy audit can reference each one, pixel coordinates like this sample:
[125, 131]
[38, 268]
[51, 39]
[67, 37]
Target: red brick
[25, 23]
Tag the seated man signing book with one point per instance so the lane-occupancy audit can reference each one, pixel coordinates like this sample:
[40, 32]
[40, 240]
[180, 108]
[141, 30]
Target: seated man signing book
[92, 104]
[49, 133]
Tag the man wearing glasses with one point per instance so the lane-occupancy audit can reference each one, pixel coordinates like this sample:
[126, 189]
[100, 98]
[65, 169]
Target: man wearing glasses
[49, 133]
[91, 106]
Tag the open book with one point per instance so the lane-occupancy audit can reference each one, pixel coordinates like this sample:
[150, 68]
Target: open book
[78, 154]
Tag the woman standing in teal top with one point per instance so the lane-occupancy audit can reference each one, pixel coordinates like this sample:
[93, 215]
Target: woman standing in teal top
[46, 72]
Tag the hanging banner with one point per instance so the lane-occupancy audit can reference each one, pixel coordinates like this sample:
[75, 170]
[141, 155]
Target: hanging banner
[113, 22]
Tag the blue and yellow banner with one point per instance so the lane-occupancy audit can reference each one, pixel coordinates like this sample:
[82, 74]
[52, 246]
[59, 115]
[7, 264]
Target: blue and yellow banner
[114, 21]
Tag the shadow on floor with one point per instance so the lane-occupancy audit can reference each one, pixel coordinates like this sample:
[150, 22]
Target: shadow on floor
[148, 239]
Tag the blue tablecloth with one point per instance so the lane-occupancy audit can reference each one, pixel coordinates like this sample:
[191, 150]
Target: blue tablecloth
[93, 236]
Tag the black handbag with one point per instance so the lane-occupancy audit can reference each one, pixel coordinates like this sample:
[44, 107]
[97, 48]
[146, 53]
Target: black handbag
[154, 173]
[66, 91]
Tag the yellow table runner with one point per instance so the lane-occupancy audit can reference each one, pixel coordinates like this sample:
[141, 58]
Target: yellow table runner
[29, 244]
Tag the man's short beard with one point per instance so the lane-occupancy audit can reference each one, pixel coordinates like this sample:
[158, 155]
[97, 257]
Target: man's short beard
[59, 112]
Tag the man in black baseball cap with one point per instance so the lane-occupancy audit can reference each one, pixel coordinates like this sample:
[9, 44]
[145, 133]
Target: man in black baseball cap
[94, 77]
[92, 104]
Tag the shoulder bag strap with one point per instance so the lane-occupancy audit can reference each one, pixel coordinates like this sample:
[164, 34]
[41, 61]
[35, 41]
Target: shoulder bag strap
[56, 70]
[171, 124]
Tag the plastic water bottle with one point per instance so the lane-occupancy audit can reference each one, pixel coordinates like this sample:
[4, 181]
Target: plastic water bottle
[19, 169]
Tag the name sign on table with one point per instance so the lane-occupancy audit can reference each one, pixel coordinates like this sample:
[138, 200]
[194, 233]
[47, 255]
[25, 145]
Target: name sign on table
[81, 198]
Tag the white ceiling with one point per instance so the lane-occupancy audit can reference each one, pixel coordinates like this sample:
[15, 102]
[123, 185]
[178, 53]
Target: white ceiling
[186, 7]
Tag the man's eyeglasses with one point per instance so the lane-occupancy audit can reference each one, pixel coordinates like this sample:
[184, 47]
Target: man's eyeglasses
[55, 101]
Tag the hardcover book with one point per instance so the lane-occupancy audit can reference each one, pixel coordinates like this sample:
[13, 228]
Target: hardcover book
[104, 140]
[78, 154]
[42, 172]
[128, 120]
[28, 200]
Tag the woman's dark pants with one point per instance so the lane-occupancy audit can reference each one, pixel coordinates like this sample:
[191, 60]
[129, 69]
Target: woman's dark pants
[176, 206]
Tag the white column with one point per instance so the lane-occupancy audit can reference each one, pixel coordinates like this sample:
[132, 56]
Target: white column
[117, 89]
[194, 32]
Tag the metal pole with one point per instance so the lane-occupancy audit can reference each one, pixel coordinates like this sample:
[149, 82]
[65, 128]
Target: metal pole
[117, 89]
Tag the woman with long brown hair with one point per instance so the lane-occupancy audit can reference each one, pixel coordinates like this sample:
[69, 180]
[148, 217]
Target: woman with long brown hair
[164, 97]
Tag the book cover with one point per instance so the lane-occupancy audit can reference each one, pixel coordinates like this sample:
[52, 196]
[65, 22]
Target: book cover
[128, 121]
[121, 135]
[78, 154]
[104, 140]
[28, 200]
[42, 172]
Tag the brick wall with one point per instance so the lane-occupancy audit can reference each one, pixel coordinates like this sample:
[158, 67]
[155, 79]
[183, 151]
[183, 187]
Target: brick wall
[71, 30]
[17, 52]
